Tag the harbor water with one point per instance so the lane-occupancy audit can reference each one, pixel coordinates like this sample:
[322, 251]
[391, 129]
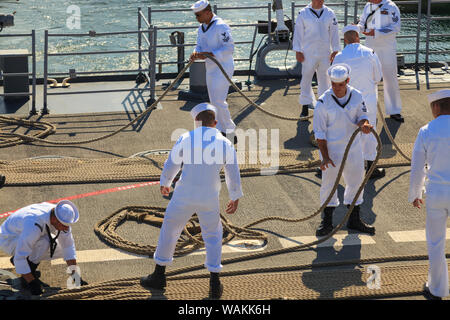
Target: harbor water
[121, 15]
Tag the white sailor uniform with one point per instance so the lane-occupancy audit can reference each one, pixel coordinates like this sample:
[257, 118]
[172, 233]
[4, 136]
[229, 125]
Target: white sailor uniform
[216, 38]
[335, 120]
[364, 76]
[203, 152]
[384, 18]
[430, 160]
[316, 35]
[26, 234]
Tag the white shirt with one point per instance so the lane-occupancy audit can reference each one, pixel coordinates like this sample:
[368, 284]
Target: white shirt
[336, 124]
[216, 38]
[431, 149]
[385, 20]
[316, 34]
[25, 227]
[203, 153]
[365, 67]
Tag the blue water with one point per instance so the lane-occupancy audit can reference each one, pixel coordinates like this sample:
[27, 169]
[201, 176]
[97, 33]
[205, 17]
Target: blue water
[121, 15]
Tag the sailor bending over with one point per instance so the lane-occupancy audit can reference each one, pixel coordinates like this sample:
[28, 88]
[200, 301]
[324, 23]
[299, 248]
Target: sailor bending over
[203, 153]
[339, 112]
[39, 232]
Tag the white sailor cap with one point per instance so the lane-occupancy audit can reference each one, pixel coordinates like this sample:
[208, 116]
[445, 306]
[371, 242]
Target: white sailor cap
[66, 212]
[350, 27]
[199, 5]
[339, 72]
[438, 95]
[202, 107]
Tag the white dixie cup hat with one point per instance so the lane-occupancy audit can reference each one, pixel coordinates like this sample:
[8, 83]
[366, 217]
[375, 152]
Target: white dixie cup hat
[66, 212]
[199, 5]
[339, 72]
[438, 95]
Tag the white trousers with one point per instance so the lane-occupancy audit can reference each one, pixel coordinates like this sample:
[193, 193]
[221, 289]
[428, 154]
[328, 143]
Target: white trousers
[40, 252]
[388, 59]
[369, 142]
[438, 209]
[218, 87]
[176, 216]
[353, 177]
[318, 64]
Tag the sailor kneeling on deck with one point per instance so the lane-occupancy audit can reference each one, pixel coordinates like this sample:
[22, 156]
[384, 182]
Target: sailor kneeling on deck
[430, 162]
[339, 112]
[203, 153]
[39, 232]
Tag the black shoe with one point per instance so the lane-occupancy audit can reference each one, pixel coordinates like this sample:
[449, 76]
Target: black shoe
[319, 173]
[355, 222]
[428, 294]
[154, 281]
[397, 117]
[326, 226]
[377, 173]
[215, 289]
[305, 111]
[2, 180]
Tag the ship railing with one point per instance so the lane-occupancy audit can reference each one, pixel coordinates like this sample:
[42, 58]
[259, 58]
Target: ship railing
[429, 36]
[73, 73]
[3, 75]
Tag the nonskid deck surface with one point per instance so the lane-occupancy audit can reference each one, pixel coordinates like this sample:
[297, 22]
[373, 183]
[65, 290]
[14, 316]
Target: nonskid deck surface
[400, 227]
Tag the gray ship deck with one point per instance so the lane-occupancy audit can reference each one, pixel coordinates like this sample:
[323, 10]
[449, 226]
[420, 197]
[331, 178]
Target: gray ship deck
[287, 195]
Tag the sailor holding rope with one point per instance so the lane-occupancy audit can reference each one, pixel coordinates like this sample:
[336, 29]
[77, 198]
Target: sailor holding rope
[430, 159]
[316, 42]
[39, 232]
[203, 153]
[214, 38]
[338, 113]
[380, 23]
[365, 75]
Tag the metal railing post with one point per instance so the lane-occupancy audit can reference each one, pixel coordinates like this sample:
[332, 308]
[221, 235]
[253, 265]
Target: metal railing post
[293, 15]
[149, 15]
[215, 9]
[427, 43]
[355, 12]
[345, 12]
[33, 62]
[140, 38]
[45, 108]
[269, 21]
[419, 14]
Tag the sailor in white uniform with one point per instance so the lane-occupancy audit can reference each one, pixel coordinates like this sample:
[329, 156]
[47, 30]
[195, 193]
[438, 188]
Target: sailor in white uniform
[316, 42]
[214, 37]
[365, 75]
[430, 169]
[39, 232]
[338, 113]
[203, 153]
[380, 23]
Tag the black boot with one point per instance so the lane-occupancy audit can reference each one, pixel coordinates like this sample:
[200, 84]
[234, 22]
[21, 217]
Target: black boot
[377, 173]
[2, 180]
[156, 280]
[327, 223]
[33, 267]
[305, 111]
[355, 222]
[215, 287]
